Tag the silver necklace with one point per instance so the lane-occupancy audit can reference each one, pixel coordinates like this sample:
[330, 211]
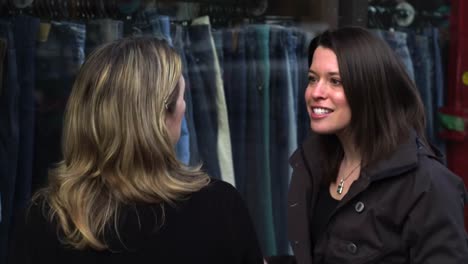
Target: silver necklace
[340, 187]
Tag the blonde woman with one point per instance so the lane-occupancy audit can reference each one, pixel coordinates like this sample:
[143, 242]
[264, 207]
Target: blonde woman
[120, 195]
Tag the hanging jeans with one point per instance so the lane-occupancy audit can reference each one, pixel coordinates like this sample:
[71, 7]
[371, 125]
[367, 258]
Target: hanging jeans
[25, 32]
[235, 87]
[224, 149]
[419, 47]
[202, 85]
[279, 127]
[438, 94]
[59, 56]
[102, 31]
[149, 23]
[258, 184]
[302, 50]
[9, 134]
[397, 42]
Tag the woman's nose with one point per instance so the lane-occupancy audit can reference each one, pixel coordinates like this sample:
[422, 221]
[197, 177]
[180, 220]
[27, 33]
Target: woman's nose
[315, 91]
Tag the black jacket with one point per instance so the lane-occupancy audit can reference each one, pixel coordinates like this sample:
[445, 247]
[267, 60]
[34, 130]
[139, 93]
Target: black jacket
[212, 226]
[405, 209]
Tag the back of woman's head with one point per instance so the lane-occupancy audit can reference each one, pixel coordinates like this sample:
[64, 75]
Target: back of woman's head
[384, 101]
[116, 145]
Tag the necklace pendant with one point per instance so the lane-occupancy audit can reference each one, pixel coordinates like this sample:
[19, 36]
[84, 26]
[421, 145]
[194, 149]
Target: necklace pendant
[340, 187]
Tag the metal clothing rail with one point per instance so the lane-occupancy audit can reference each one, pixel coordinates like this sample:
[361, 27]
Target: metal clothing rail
[88, 9]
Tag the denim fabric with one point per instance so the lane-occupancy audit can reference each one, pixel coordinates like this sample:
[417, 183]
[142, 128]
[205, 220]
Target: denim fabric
[235, 87]
[25, 33]
[224, 136]
[303, 123]
[3, 51]
[290, 43]
[397, 41]
[263, 36]
[164, 27]
[150, 23]
[183, 145]
[180, 37]
[438, 94]
[203, 86]
[279, 140]
[258, 185]
[57, 62]
[218, 40]
[101, 31]
[423, 63]
[9, 135]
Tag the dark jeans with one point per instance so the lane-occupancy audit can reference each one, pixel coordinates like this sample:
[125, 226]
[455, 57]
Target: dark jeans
[303, 121]
[101, 31]
[438, 92]
[280, 138]
[235, 89]
[57, 62]
[397, 41]
[419, 47]
[200, 63]
[150, 23]
[258, 185]
[25, 31]
[9, 134]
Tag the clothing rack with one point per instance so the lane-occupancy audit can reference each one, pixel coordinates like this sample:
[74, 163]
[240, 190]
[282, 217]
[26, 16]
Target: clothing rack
[90, 9]
[386, 16]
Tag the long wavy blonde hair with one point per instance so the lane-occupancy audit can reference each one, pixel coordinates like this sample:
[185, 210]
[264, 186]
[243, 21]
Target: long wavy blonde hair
[116, 146]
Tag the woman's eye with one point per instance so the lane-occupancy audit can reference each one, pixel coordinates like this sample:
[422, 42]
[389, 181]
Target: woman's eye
[336, 82]
[312, 79]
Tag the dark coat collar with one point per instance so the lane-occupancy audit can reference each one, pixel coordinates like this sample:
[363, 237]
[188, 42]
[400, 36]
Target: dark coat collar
[403, 159]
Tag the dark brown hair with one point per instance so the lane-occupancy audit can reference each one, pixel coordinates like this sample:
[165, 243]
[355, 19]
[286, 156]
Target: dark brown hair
[384, 101]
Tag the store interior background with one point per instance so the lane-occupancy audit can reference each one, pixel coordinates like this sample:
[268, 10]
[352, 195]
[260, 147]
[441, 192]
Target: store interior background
[258, 160]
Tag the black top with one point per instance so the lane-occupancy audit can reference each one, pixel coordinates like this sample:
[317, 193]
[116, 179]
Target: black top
[322, 210]
[213, 226]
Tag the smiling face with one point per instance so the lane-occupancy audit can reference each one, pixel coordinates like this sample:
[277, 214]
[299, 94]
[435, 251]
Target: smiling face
[326, 101]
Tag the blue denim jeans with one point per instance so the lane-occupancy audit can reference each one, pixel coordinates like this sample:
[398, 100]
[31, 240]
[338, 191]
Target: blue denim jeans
[258, 189]
[397, 41]
[218, 40]
[424, 65]
[25, 33]
[438, 91]
[57, 62]
[302, 50]
[9, 134]
[150, 23]
[203, 86]
[101, 31]
[183, 145]
[279, 127]
[235, 88]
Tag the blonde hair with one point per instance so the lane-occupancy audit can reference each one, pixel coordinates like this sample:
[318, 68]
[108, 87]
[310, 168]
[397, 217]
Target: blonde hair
[116, 146]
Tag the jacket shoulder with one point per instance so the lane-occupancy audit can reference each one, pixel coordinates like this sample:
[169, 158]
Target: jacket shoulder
[432, 175]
